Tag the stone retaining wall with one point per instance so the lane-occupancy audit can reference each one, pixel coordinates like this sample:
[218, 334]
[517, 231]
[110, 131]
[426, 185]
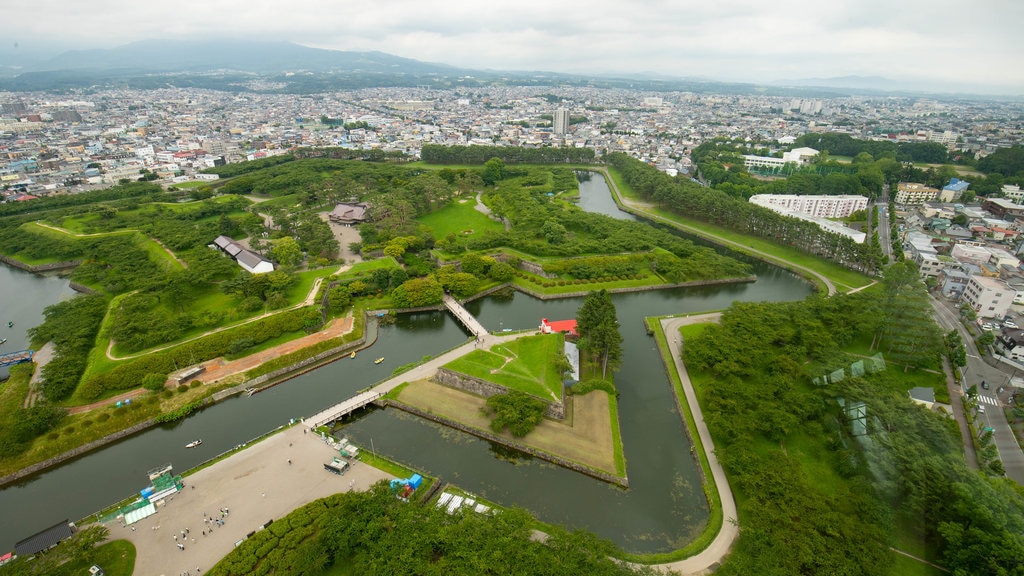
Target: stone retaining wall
[81, 288]
[76, 452]
[487, 389]
[491, 437]
[40, 268]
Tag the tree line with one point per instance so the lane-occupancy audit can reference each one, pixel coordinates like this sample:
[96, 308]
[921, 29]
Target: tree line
[819, 495]
[689, 199]
[478, 155]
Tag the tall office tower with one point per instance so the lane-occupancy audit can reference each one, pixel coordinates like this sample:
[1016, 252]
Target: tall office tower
[561, 121]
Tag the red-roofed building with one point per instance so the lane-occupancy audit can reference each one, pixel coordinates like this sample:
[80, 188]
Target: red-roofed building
[552, 327]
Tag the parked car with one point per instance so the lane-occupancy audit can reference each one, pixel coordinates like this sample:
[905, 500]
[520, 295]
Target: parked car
[987, 327]
[1011, 324]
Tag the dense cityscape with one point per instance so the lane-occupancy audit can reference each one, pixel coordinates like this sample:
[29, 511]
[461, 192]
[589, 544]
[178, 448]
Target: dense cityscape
[86, 139]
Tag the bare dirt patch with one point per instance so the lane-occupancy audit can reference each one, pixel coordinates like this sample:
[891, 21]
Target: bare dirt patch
[585, 437]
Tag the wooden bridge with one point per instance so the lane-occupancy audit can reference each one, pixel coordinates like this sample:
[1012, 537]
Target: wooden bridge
[464, 317]
[18, 357]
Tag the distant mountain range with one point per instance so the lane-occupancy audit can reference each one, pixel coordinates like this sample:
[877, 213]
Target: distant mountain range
[232, 64]
[156, 56]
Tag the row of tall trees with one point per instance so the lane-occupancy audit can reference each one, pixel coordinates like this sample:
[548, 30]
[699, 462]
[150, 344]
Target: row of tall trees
[598, 327]
[478, 155]
[692, 200]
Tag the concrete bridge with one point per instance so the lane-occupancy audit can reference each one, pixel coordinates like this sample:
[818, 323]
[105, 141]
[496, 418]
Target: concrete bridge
[347, 407]
[464, 317]
[422, 372]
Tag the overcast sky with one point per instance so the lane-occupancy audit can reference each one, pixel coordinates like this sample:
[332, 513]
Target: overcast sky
[965, 43]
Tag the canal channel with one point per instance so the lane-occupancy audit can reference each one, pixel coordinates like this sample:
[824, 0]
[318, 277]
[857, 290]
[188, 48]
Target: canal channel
[663, 509]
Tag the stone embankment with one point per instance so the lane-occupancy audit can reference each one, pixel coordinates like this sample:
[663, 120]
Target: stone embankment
[486, 389]
[491, 437]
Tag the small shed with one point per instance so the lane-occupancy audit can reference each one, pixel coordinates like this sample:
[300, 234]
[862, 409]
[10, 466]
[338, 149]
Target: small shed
[924, 396]
[555, 326]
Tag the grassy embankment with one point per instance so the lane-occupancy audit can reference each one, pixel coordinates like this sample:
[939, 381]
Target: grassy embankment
[844, 279]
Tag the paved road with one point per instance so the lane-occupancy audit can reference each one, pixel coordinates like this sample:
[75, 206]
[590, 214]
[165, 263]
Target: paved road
[976, 371]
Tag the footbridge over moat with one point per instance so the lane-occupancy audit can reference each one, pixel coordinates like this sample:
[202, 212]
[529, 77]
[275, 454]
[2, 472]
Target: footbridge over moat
[464, 317]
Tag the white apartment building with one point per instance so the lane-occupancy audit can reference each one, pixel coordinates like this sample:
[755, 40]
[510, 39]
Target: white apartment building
[919, 248]
[1013, 192]
[914, 193]
[795, 156]
[989, 297]
[820, 206]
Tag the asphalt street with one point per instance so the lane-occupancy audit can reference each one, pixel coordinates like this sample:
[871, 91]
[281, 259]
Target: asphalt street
[993, 400]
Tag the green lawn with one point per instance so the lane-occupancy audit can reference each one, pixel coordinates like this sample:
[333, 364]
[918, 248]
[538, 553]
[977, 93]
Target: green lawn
[525, 364]
[117, 558]
[459, 218]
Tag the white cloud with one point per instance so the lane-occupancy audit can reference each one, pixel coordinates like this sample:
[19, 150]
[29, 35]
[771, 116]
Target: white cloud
[731, 39]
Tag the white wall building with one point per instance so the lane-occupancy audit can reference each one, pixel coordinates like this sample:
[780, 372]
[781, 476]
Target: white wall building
[794, 156]
[914, 193]
[820, 206]
[989, 297]
[823, 223]
[1013, 192]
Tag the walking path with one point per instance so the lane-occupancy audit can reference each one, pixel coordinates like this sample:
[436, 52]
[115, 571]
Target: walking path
[421, 372]
[705, 561]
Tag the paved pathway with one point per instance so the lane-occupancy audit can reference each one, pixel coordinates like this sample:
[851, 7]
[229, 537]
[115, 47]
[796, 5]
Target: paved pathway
[421, 372]
[707, 560]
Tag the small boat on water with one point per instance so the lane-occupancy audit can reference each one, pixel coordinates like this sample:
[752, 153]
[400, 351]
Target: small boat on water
[378, 360]
[3, 340]
[352, 355]
[193, 443]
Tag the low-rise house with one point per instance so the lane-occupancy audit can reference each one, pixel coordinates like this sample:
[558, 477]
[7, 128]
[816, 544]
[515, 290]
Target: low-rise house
[247, 259]
[1010, 343]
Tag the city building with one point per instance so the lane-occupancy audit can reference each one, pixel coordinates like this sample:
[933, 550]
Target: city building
[953, 190]
[989, 297]
[1013, 193]
[560, 121]
[794, 156]
[914, 193]
[820, 206]
[1002, 208]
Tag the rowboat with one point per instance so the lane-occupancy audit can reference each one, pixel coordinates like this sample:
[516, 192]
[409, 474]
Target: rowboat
[352, 355]
[193, 443]
[378, 360]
